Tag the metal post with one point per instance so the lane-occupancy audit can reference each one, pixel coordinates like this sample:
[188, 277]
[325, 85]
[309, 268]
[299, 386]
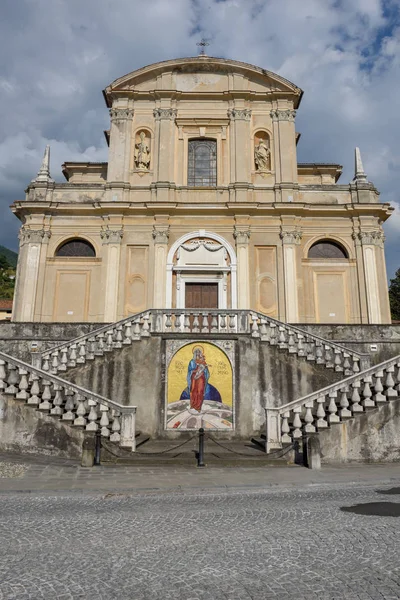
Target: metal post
[97, 449]
[200, 454]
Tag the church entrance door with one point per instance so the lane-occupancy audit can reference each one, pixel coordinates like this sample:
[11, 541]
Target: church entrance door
[201, 295]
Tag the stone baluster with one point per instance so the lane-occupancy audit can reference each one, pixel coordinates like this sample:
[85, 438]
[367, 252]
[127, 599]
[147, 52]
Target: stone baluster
[338, 360]
[328, 357]
[356, 364]
[23, 385]
[232, 323]
[58, 400]
[80, 420]
[118, 337]
[90, 349]
[104, 420]
[366, 393]
[311, 349]
[390, 392]
[321, 414]
[178, 322]
[186, 324]
[254, 326]
[63, 359]
[264, 330]
[344, 411]
[145, 327]
[54, 362]
[214, 323]
[346, 364]
[168, 323]
[195, 326]
[127, 333]
[297, 424]
[309, 417]
[291, 343]
[81, 353]
[109, 341]
[272, 334]
[319, 355]
[34, 399]
[69, 406]
[72, 356]
[45, 363]
[286, 439]
[100, 344]
[282, 337]
[355, 398]
[3, 375]
[45, 404]
[116, 426]
[300, 345]
[333, 417]
[205, 328]
[92, 416]
[136, 330]
[222, 323]
[378, 396]
[12, 380]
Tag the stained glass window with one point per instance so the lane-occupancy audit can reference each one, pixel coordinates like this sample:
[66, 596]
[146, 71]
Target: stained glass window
[327, 250]
[202, 164]
[76, 247]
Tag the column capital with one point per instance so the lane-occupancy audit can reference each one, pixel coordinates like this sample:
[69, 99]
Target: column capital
[370, 238]
[242, 234]
[33, 236]
[291, 237]
[111, 236]
[160, 234]
[165, 113]
[239, 114]
[121, 114]
[279, 114]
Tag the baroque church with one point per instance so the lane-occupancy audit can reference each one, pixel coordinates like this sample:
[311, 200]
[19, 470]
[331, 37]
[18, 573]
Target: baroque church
[201, 279]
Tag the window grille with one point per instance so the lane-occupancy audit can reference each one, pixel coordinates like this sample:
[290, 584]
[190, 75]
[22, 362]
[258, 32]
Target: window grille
[76, 247]
[327, 250]
[202, 164]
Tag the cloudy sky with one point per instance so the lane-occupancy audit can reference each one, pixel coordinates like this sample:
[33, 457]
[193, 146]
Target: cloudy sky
[57, 55]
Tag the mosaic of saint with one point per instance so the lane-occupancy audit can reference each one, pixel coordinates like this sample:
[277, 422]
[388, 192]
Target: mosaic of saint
[199, 391]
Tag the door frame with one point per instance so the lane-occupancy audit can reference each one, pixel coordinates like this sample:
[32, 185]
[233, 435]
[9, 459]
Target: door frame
[183, 278]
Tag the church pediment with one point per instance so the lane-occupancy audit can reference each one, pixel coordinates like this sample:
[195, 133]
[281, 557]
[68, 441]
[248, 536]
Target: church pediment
[203, 74]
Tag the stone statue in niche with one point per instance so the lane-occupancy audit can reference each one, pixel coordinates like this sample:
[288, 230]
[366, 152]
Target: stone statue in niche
[262, 156]
[142, 153]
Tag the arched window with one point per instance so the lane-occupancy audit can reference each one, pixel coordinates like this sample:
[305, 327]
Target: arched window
[202, 163]
[76, 247]
[327, 249]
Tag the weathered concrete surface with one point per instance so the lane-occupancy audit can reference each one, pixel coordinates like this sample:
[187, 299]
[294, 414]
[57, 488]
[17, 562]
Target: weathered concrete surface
[24, 429]
[373, 436]
[361, 337]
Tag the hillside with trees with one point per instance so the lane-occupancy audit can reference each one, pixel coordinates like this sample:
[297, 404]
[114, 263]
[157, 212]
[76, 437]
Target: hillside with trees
[8, 263]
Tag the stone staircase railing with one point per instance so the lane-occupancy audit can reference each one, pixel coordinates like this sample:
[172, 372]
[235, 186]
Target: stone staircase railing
[71, 403]
[202, 322]
[333, 404]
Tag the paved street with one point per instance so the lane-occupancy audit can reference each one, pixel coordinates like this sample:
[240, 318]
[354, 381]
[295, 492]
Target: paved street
[274, 540]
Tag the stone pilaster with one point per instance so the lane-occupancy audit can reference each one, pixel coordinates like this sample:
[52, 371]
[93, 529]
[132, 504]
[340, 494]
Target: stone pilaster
[240, 144]
[165, 124]
[283, 125]
[160, 237]
[242, 236]
[120, 144]
[370, 242]
[290, 239]
[111, 239]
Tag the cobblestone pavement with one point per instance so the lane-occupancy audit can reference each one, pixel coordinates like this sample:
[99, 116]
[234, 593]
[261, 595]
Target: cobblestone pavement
[233, 544]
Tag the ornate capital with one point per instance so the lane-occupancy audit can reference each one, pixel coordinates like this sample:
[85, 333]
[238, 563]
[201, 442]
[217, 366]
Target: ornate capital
[111, 236]
[241, 234]
[160, 234]
[283, 115]
[165, 113]
[371, 238]
[291, 237]
[121, 114]
[237, 114]
[33, 236]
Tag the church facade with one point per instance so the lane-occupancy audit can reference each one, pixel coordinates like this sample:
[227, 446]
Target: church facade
[202, 204]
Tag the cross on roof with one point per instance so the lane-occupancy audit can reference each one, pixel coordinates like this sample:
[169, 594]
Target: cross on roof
[203, 43]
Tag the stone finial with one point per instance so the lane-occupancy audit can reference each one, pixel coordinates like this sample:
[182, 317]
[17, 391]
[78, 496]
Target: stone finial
[359, 169]
[43, 175]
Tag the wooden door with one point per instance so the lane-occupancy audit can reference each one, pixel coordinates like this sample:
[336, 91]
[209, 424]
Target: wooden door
[201, 295]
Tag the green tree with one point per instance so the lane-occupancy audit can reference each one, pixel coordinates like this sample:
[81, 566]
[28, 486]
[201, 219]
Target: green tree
[4, 264]
[394, 296]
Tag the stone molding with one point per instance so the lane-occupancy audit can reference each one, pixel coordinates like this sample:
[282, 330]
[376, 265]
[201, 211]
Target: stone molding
[370, 238]
[291, 237]
[160, 234]
[121, 114]
[283, 115]
[111, 236]
[27, 235]
[238, 114]
[165, 113]
[241, 234]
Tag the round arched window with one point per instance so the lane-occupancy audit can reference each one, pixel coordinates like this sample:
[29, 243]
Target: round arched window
[76, 247]
[327, 249]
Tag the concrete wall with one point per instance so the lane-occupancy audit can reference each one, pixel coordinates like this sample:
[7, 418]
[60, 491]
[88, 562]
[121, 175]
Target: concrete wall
[26, 430]
[370, 437]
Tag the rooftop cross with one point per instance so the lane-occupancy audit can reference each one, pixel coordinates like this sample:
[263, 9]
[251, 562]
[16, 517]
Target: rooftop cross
[203, 43]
